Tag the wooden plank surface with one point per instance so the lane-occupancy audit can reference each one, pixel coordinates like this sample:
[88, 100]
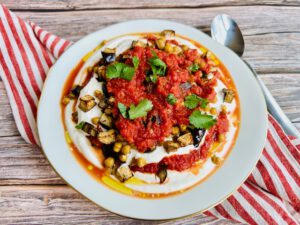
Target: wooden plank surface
[108, 4]
[31, 192]
[270, 47]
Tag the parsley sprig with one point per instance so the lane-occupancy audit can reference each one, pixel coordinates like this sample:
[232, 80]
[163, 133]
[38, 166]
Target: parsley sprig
[199, 120]
[140, 110]
[192, 101]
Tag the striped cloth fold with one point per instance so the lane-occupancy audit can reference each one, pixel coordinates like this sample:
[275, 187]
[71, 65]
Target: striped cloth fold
[271, 194]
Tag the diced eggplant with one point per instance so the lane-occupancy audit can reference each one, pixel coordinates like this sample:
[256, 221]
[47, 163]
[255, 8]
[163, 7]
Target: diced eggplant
[156, 119]
[86, 103]
[149, 150]
[75, 117]
[168, 33]
[185, 139]
[107, 137]
[138, 43]
[89, 129]
[162, 173]
[228, 95]
[123, 173]
[102, 104]
[197, 134]
[105, 120]
[171, 146]
[76, 91]
[109, 55]
[160, 43]
[101, 73]
[111, 100]
[186, 85]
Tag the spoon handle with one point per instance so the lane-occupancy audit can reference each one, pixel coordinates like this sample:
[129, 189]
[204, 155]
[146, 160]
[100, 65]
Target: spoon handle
[274, 109]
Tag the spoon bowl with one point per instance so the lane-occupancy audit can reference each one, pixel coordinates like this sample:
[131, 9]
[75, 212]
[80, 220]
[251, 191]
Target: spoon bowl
[226, 31]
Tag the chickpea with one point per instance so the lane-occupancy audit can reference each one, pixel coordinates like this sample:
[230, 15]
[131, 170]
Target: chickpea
[123, 158]
[117, 146]
[224, 108]
[221, 137]
[216, 160]
[207, 108]
[185, 47]
[183, 127]
[126, 149]
[168, 48]
[108, 111]
[175, 130]
[140, 162]
[109, 162]
[66, 100]
[213, 111]
[95, 120]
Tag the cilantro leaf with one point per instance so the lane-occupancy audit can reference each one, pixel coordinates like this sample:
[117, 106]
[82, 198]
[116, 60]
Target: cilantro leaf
[191, 101]
[123, 110]
[136, 62]
[171, 99]
[157, 65]
[140, 110]
[153, 78]
[127, 73]
[200, 120]
[193, 68]
[80, 125]
[121, 70]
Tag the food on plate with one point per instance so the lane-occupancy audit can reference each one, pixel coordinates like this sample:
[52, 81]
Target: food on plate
[150, 114]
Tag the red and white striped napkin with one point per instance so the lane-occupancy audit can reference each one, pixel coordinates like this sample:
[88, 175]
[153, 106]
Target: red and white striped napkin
[271, 194]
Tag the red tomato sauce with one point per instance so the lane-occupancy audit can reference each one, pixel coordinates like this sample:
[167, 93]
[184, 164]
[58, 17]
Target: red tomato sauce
[146, 133]
[186, 161]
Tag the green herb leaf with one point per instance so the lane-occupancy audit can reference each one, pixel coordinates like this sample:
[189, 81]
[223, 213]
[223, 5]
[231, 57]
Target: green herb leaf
[200, 120]
[157, 65]
[121, 70]
[123, 110]
[171, 99]
[80, 125]
[140, 110]
[136, 62]
[127, 73]
[153, 78]
[192, 101]
[193, 68]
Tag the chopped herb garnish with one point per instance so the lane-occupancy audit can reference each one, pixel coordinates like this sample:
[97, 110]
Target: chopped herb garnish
[136, 62]
[123, 110]
[192, 101]
[193, 68]
[200, 120]
[120, 70]
[158, 66]
[171, 99]
[80, 125]
[140, 110]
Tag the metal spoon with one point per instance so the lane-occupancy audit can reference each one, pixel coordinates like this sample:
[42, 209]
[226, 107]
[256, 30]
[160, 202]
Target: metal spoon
[226, 31]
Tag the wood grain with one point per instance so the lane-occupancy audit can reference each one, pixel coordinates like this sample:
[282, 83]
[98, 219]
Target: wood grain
[62, 205]
[271, 47]
[125, 4]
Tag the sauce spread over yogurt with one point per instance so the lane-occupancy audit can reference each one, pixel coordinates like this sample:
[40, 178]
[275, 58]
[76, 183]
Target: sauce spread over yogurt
[150, 115]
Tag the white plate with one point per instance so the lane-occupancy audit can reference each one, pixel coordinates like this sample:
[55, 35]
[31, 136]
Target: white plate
[215, 189]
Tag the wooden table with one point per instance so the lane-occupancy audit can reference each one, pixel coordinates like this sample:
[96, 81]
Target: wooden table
[31, 192]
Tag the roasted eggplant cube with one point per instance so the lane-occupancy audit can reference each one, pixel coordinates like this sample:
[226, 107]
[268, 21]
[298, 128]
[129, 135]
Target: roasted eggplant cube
[168, 33]
[109, 55]
[75, 91]
[171, 146]
[138, 43]
[89, 129]
[162, 174]
[86, 103]
[185, 139]
[102, 104]
[229, 95]
[105, 120]
[107, 137]
[197, 134]
[123, 173]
